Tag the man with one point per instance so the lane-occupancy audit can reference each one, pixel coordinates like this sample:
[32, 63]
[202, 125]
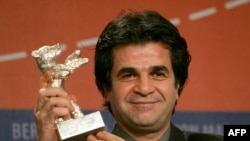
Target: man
[141, 66]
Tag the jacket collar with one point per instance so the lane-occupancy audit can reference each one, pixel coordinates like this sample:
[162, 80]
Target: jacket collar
[176, 134]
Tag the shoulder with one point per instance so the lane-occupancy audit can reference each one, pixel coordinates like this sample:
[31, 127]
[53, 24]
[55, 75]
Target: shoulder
[178, 135]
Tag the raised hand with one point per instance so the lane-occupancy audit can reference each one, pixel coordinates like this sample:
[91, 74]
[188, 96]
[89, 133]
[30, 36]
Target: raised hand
[52, 103]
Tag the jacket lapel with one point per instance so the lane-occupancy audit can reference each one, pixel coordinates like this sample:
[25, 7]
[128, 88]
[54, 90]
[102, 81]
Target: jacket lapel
[176, 134]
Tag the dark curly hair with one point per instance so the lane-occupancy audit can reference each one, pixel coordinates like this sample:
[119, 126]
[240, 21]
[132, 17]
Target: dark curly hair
[133, 27]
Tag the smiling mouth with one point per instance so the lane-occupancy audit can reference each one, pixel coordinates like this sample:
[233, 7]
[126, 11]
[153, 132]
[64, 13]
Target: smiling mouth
[143, 106]
[143, 102]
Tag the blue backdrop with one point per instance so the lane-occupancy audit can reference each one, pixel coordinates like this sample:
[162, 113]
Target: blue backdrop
[18, 125]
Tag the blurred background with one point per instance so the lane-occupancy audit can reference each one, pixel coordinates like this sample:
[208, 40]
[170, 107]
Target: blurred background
[217, 33]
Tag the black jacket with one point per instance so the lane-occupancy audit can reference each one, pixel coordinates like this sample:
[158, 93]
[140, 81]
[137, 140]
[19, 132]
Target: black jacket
[177, 135]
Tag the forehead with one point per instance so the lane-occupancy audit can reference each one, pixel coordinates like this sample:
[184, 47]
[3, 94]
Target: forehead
[142, 55]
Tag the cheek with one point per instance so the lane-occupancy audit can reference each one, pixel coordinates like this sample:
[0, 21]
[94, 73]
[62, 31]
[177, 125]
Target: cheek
[168, 93]
[115, 95]
[117, 99]
[121, 90]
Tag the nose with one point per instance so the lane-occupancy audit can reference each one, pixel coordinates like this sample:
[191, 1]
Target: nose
[144, 86]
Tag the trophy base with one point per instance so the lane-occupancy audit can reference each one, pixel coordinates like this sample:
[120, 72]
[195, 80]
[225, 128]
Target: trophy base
[78, 129]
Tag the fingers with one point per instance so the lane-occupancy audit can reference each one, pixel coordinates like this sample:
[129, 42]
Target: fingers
[56, 103]
[42, 95]
[55, 107]
[92, 138]
[46, 93]
[53, 100]
[46, 117]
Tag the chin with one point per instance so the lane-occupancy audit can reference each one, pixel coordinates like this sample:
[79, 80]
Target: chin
[144, 121]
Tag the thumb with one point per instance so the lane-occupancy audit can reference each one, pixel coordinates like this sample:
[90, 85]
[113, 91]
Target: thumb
[106, 136]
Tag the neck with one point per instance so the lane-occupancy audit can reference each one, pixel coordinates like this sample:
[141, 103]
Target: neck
[146, 134]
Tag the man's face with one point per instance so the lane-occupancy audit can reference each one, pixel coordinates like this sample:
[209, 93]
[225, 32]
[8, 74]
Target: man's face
[143, 93]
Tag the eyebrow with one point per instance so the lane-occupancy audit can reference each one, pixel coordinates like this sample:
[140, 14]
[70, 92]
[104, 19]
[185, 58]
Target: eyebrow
[159, 68]
[126, 70]
[152, 69]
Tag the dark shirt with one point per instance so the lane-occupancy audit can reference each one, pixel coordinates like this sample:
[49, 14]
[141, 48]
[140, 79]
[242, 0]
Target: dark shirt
[174, 134]
[117, 131]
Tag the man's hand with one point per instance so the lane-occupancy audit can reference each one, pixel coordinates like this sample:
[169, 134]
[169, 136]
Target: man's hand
[52, 103]
[104, 136]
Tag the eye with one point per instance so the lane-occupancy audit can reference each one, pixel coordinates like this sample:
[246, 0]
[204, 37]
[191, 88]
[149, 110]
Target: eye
[159, 75]
[127, 76]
